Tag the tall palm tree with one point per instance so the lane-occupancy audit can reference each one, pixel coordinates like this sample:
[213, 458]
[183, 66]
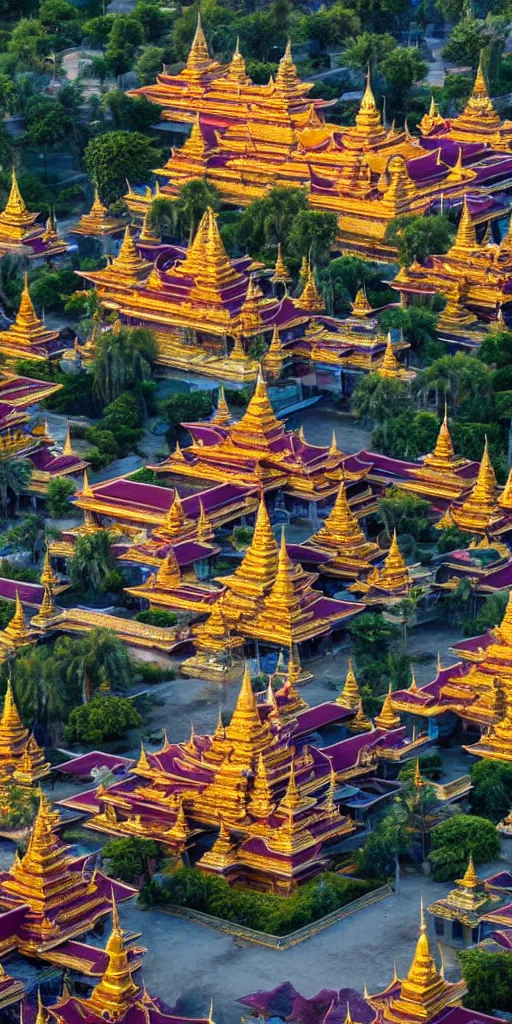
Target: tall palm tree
[193, 200]
[97, 657]
[124, 358]
[15, 477]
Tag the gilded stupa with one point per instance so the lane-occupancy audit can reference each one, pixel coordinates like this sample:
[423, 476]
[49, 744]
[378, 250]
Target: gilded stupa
[480, 509]
[27, 337]
[98, 223]
[18, 748]
[20, 235]
[341, 537]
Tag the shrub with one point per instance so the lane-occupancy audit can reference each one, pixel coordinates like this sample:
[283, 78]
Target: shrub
[103, 718]
[276, 915]
[155, 617]
[150, 672]
[129, 858]
[454, 840]
[57, 497]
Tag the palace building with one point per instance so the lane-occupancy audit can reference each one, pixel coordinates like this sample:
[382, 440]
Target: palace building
[246, 139]
[270, 798]
[478, 124]
[21, 236]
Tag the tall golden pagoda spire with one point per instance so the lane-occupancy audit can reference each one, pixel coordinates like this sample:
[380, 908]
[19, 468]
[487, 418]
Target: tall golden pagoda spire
[287, 81]
[67, 448]
[390, 366]
[443, 455]
[392, 577]
[46, 611]
[479, 111]
[128, 264]
[310, 298]
[215, 270]
[196, 255]
[350, 696]
[475, 514]
[222, 414]
[12, 730]
[16, 634]
[116, 991]
[286, 613]
[48, 578]
[387, 717]
[198, 58]
[237, 70]
[273, 359]
[28, 331]
[257, 570]
[505, 498]
[465, 238]
[342, 536]
[280, 269]
[368, 125]
[250, 314]
[246, 732]
[361, 308]
[147, 234]
[261, 803]
[259, 423]
[175, 518]
[424, 992]
[15, 219]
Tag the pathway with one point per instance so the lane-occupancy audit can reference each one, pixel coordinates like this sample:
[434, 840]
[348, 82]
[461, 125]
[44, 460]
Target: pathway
[436, 69]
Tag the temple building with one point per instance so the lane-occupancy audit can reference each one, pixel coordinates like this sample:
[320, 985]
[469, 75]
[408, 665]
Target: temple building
[205, 309]
[270, 796]
[459, 915]
[21, 236]
[479, 123]
[257, 450]
[49, 897]
[27, 337]
[477, 688]
[484, 512]
[20, 756]
[367, 174]
[98, 223]
[117, 996]
[348, 552]
[475, 277]
[391, 582]
[423, 996]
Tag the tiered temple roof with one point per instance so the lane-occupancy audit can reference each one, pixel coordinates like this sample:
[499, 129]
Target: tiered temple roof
[21, 236]
[392, 581]
[366, 173]
[484, 511]
[348, 551]
[57, 897]
[469, 902]
[258, 450]
[203, 307]
[479, 122]
[98, 223]
[475, 277]
[20, 756]
[27, 337]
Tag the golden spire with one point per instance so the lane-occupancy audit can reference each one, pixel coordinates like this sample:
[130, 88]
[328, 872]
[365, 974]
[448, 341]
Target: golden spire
[393, 574]
[333, 447]
[247, 733]
[198, 57]
[222, 414]
[196, 255]
[361, 307]
[443, 450]
[41, 1016]
[211, 265]
[350, 696]
[204, 527]
[116, 991]
[128, 264]
[175, 518]
[67, 448]
[261, 804]
[505, 498]
[310, 298]
[169, 576]
[341, 529]
[387, 717]
[147, 235]
[259, 422]
[424, 987]
[417, 780]
[11, 726]
[368, 118]
[477, 510]
[250, 315]
[237, 71]
[16, 633]
[143, 764]
[47, 609]
[471, 879]
[390, 366]
[280, 269]
[15, 219]
[86, 490]
[466, 231]
[257, 569]
[48, 578]
[287, 81]
[179, 830]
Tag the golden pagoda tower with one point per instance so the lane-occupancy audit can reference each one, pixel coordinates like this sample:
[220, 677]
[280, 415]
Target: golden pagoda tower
[350, 696]
[47, 611]
[259, 424]
[250, 315]
[27, 337]
[175, 521]
[256, 572]
[222, 414]
[168, 576]
[13, 735]
[496, 742]
[214, 270]
[32, 767]
[465, 239]
[97, 223]
[116, 990]
[222, 855]
[476, 514]
[310, 298]
[479, 119]
[468, 903]
[261, 803]
[147, 235]
[443, 458]
[342, 537]
[392, 578]
[237, 71]
[361, 308]
[368, 126]
[15, 219]
[505, 498]
[285, 617]
[273, 359]
[390, 367]
[424, 992]
[16, 634]
[198, 59]
[48, 577]
[432, 119]
[246, 733]
[387, 717]
[361, 722]
[128, 267]
[281, 274]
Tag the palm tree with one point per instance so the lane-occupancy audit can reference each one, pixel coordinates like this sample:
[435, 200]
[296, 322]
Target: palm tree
[124, 358]
[15, 476]
[193, 200]
[377, 399]
[95, 658]
[91, 562]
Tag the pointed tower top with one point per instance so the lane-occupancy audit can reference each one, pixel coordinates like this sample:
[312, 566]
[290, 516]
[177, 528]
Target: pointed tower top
[361, 307]
[86, 490]
[67, 447]
[310, 298]
[350, 696]
[199, 57]
[471, 879]
[116, 991]
[222, 414]
[390, 366]
[466, 231]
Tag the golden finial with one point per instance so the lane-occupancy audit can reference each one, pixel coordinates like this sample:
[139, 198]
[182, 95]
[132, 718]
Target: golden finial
[175, 517]
[333, 449]
[191, 743]
[368, 100]
[116, 991]
[86, 490]
[199, 55]
[413, 686]
[390, 366]
[143, 763]
[350, 696]
[310, 298]
[42, 1016]
[387, 718]
[67, 448]
[505, 498]
[418, 782]
[471, 879]
[48, 577]
[222, 414]
[361, 307]
[466, 231]
[280, 269]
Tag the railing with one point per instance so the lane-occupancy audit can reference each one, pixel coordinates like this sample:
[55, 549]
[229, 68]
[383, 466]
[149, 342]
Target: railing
[280, 941]
[452, 789]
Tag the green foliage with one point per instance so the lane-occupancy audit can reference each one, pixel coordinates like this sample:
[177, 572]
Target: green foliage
[431, 767]
[6, 612]
[125, 37]
[123, 359]
[15, 476]
[451, 539]
[417, 323]
[128, 859]
[331, 26]
[149, 64]
[132, 115]
[371, 636]
[151, 672]
[58, 494]
[370, 48]
[91, 563]
[409, 435]
[28, 534]
[103, 718]
[488, 977]
[401, 69]
[491, 795]
[387, 840]
[418, 237]
[406, 513]
[260, 70]
[313, 234]
[270, 220]
[473, 35]
[115, 157]
[489, 614]
[453, 842]
[149, 476]
[378, 399]
[275, 915]
[22, 573]
[157, 617]
[51, 288]
[154, 18]
[19, 807]
[185, 408]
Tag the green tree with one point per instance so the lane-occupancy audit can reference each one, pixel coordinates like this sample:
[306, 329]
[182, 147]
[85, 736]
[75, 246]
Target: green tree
[91, 562]
[455, 840]
[132, 115]
[491, 795]
[473, 35]
[58, 494]
[387, 841]
[126, 36]
[331, 26]
[49, 131]
[154, 18]
[406, 513]
[270, 220]
[130, 859]
[402, 68]
[378, 399]
[371, 636]
[39, 689]
[313, 235]
[418, 237]
[418, 324]
[370, 48]
[98, 29]
[193, 199]
[123, 359]
[409, 436]
[15, 477]
[116, 157]
[27, 47]
[489, 614]
[496, 349]
[488, 977]
[54, 14]
[28, 535]
[149, 64]
[460, 380]
[185, 408]
[103, 718]
[157, 617]
[84, 664]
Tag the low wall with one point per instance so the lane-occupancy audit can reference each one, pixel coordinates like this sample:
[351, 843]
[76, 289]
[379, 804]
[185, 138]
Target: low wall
[279, 941]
